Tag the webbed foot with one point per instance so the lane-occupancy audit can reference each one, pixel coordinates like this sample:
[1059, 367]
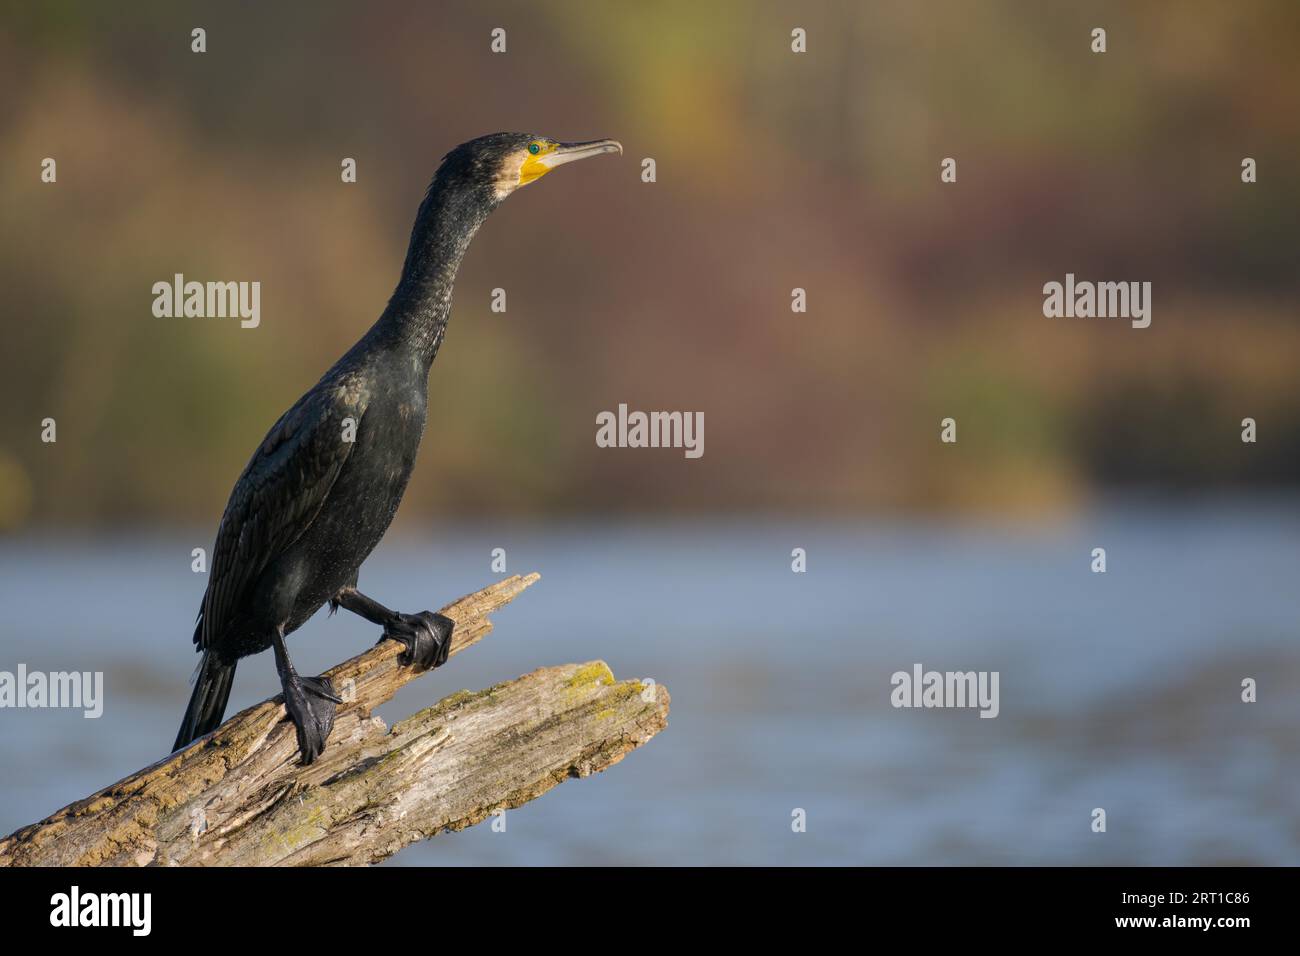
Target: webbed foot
[311, 702]
[426, 636]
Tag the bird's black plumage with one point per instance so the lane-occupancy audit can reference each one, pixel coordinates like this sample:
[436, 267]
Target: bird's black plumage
[323, 486]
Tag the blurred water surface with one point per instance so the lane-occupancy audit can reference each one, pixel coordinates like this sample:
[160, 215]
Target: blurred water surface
[1119, 690]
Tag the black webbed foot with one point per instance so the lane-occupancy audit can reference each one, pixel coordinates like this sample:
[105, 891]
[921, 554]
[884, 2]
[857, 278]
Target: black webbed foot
[310, 702]
[427, 637]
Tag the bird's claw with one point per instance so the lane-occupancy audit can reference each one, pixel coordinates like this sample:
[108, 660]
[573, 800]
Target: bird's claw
[426, 636]
[310, 703]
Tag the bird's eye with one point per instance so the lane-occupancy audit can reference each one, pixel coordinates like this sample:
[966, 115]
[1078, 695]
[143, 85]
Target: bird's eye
[534, 148]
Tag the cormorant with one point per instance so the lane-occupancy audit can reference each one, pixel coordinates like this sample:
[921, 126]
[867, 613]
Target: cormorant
[322, 488]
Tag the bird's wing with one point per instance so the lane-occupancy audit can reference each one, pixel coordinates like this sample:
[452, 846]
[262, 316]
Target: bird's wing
[278, 495]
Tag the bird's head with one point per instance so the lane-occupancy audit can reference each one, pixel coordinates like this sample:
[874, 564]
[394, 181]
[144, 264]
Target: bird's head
[500, 163]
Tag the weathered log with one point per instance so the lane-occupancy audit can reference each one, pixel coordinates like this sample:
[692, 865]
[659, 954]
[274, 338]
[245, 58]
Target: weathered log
[239, 796]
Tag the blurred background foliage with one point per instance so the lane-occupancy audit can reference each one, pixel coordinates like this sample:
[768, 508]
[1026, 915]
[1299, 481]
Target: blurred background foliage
[775, 170]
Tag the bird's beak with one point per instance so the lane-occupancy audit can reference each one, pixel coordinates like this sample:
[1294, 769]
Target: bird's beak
[569, 152]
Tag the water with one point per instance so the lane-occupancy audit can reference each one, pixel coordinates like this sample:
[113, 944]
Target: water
[1119, 691]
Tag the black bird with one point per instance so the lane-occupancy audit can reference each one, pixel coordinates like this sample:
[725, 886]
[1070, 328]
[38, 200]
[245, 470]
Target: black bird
[323, 486]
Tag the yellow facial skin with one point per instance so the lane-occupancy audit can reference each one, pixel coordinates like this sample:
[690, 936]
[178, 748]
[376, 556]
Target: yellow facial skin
[533, 168]
[524, 166]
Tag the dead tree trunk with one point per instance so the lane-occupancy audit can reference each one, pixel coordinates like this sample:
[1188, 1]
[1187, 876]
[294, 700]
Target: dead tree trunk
[240, 797]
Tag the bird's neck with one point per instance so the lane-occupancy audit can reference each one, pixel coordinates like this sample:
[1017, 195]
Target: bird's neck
[417, 313]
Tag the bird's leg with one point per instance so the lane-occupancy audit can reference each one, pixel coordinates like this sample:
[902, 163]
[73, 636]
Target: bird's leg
[310, 702]
[427, 636]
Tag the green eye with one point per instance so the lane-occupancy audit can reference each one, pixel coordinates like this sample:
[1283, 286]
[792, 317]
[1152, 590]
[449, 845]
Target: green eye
[534, 148]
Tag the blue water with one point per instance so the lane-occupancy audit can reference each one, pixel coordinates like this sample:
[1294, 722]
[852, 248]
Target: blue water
[1118, 690]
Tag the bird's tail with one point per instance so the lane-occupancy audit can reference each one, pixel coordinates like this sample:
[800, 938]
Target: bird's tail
[208, 702]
